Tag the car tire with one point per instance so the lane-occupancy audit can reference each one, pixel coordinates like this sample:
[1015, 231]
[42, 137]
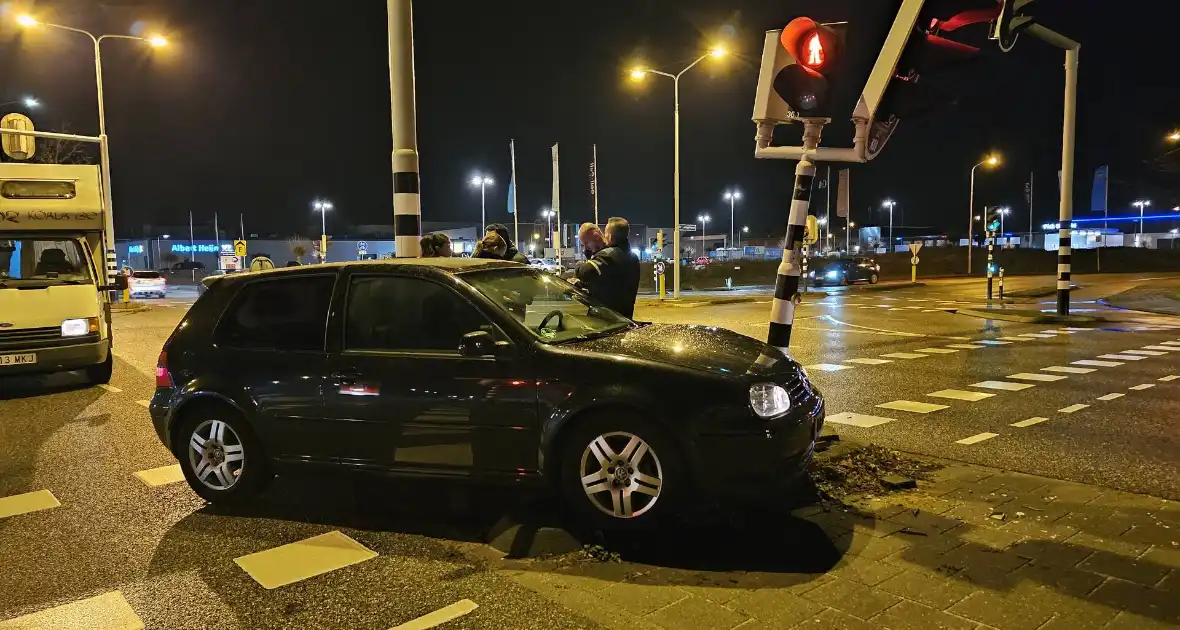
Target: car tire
[656, 465]
[231, 465]
[101, 374]
[873, 279]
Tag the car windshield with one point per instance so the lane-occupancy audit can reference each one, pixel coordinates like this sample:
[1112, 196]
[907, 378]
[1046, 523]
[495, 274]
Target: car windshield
[550, 308]
[41, 262]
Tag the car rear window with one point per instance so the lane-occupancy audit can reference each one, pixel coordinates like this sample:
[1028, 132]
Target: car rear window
[147, 275]
[278, 314]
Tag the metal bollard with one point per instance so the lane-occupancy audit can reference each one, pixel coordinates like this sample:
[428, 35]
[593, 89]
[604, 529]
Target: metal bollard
[1001, 283]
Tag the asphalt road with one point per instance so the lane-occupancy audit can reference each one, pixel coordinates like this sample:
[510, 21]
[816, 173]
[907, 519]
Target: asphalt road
[159, 553]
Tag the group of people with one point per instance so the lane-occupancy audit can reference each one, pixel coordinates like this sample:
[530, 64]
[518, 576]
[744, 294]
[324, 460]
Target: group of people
[610, 271]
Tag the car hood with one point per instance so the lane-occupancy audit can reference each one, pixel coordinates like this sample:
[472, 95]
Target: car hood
[704, 348]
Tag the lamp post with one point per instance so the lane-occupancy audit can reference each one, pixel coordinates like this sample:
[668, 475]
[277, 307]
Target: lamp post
[483, 182]
[1141, 204]
[548, 214]
[990, 160]
[745, 230]
[848, 237]
[732, 196]
[889, 203]
[323, 207]
[1005, 211]
[156, 41]
[638, 74]
[703, 219]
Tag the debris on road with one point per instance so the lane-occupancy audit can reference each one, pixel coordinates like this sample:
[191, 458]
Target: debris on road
[867, 470]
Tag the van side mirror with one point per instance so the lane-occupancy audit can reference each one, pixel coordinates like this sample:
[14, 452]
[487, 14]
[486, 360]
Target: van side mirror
[120, 283]
[477, 344]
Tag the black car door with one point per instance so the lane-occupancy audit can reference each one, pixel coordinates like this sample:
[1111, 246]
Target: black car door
[421, 407]
[271, 354]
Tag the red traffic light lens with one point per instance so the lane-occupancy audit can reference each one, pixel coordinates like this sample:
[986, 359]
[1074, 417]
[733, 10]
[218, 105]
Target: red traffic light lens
[811, 44]
[814, 50]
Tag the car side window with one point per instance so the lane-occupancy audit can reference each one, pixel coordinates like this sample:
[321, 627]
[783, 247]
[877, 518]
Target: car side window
[278, 314]
[406, 314]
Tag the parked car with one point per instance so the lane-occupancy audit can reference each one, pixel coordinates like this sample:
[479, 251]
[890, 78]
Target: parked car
[486, 371]
[187, 265]
[147, 284]
[844, 271]
[545, 264]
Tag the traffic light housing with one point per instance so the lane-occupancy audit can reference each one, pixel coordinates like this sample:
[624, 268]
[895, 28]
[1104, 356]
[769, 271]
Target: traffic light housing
[795, 79]
[992, 219]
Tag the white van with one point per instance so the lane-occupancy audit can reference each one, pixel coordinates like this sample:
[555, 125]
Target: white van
[55, 313]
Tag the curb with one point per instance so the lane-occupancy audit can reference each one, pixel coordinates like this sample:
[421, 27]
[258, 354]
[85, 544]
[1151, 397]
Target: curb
[139, 308]
[1027, 318]
[1133, 306]
[694, 302]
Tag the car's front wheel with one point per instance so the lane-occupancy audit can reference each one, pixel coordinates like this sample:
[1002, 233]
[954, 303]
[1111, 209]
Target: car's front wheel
[873, 279]
[622, 473]
[221, 459]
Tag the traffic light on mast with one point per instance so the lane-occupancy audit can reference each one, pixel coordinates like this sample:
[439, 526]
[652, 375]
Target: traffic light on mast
[993, 219]
[797, 64]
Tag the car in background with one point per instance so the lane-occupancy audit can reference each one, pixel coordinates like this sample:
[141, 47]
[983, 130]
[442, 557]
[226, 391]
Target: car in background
[545, 264]
[187, 265]
[486, 372]
[844, 271]
[147, 284]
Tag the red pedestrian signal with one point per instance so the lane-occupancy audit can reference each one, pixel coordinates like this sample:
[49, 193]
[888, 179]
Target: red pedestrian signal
[811, 50]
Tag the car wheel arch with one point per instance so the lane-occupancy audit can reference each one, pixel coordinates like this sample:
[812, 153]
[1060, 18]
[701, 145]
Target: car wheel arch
[196, 403]
[560, 431]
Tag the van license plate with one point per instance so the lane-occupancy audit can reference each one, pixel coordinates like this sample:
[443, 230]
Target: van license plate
[18, 359]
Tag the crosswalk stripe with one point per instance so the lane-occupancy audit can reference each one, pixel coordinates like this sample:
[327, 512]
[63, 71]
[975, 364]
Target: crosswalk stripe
[1111, 396]
[868, 361]
[959, 394]
[27, 502]
[827, 367]
[1142, 386]
[993, 342]
[1072, 408]
[1065, 369]
[1122, 357]
[440, 616]
[109, 610]
[1146, 353]
[110, 388]
[858, 419]
[1170, 377]
[1165, 348]
[162, 476]
[1094, 363]
[912, 406]
[297, 561]
[1002, 385]
[1170, 343]
[1013, 338]
[965, 346]
[905, 355]
[1029, 422]
[937, 350]
[1029, 376]
[1038, 335]
[975, 439]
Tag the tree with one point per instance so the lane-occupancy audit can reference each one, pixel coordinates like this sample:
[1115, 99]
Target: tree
[299, 247]
[64, 151]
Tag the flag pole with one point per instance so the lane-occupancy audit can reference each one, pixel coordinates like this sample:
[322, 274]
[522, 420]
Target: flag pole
[512, 188]
[594, 182]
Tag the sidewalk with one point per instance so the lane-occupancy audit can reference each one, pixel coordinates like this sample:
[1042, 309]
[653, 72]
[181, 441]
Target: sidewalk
[971, 547]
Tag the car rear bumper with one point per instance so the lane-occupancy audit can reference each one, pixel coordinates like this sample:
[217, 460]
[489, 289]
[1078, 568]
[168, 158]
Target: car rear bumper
[59, 359]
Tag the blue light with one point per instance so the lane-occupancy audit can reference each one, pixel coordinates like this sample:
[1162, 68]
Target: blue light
[135, 249]
[1150, 217]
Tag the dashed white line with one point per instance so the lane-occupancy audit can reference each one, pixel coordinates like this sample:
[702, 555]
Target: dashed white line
[868, 361]
[1112, 396]
[1170, 377]
[827, 367]
[993, 342]
[1072, 408]
[959, 394]
[1170, 343]
[937, 350]
[1094, 363]
[965, 346]
[1142, 386]
[911, 406]
[975, 439]
[861, 420]
[1002, 385]
[905, 355]
[1146, 353]
[1164, 348]
[1029, 422]
[1122, 357]
[440, 616]
[1044, 378]
[110, 388]
[1065, 369]
[1014, 338]
[1038, 335]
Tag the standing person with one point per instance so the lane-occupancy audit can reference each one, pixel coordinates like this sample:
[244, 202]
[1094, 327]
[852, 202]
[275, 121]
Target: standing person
[492, 246]
[436, 246]
[612, 275]
[591, 239]
[510, 253]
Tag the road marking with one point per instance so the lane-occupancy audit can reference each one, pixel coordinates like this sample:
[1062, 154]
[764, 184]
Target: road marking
[1146, 353]
[440, 616]
[912, 308]
[993, 342]
[1002, 385]
[868, 361]
[27, 502]
[858, 419]
[1122, 357]
[936, 310]
[1065, 369]
[1165, 348]
[1014, 339]
[959, 394]
[143, 403]
[909, 405]
[110, 388]
[1038, 335]
[905, 355]
[1075, 329]
[1060, 331]
[297, 561]
[1029, 376]
[917, 300]
[978, 437]
[1170, 343]
[1072, 408]
[109, 610]
[1170, 377]
[937, 350]
[1029, 422]
[827, 367]
[1142, 386]
[161, 476]
[1112, 396]
[964, 346]
[1094, 363]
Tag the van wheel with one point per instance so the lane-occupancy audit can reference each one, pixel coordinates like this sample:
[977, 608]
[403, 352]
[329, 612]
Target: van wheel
[101, 374]
[221, 459]
[620, 473]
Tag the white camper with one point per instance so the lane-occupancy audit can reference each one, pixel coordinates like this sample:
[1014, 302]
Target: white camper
[55, 312]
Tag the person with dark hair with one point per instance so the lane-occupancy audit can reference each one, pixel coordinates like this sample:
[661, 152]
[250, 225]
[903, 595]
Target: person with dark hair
[492, 246]
[510, 251]
[612, 275]
[436, 246]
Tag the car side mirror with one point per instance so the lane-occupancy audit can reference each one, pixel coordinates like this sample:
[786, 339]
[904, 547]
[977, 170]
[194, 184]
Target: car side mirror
[477, 344]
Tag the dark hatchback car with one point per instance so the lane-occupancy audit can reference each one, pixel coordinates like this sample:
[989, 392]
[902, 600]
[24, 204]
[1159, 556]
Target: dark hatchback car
[474, 369]
[844, 271]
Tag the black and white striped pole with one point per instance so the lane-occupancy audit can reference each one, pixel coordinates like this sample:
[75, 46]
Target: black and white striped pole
[991, 239]
[786, 285]
[407, 205]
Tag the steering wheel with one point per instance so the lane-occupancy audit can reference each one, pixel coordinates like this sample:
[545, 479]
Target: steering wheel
[560, 320]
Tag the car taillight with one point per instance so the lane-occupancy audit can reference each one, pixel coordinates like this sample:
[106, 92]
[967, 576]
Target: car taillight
[163, 377]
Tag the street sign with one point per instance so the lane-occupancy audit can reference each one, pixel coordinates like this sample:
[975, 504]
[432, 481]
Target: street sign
[812, 234]
[659, 266]
[362, 246]
[688, 227]
[914, 260]
[17, 147]
[230, 263]
[914, 247]
[240, 248]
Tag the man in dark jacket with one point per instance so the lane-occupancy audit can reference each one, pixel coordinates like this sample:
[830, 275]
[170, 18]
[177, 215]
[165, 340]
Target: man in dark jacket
[511, 254]
[612, 275]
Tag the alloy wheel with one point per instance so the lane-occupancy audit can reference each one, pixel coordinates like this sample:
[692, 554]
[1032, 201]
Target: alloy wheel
[216, 455]
[621, 474]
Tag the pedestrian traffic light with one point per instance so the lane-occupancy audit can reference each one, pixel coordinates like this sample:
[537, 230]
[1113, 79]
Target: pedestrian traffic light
[797, 64]
[993, 219]
[660, 242]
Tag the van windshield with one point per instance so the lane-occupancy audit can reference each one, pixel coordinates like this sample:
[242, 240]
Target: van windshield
[41, 262]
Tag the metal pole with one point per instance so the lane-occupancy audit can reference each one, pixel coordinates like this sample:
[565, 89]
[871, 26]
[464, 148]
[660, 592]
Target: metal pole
[595, 183]
[217, 239]
[483, 204]
[242, 225]
[828, 209]
[786, 286]
[1030, 209]
[890, 248]
[991, 239]
[732, 228]
[192, 244]
[324, 233]
[676, 192]
[407, 202]
[971, 219]
[1067, 150]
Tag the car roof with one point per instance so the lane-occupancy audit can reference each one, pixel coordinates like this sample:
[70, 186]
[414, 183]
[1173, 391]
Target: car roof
[450, 265]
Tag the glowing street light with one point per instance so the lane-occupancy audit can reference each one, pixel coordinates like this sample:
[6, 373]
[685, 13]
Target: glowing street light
[1174, 136]
[731, 196]
[548, 215]
[323, 206]
[1141, 204]
[991, 160]
[702, 219]
[889, 203]
[483, 182]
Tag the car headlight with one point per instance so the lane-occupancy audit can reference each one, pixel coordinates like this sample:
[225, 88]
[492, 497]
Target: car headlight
[769, 400]
[79, 327]
[811, 273]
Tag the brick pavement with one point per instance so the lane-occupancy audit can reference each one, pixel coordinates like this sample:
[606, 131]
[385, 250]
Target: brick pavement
[972, 548]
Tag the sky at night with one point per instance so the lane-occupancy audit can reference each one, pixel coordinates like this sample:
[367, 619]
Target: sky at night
[262, 106]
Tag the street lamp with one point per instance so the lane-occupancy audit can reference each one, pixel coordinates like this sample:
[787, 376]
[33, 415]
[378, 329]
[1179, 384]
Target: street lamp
[890, 204]
[483, 182]
[1141, 204]
[703, 219]
[548, 215]
[28, 101]
[732, 196]
[156, 41]
[991, 160]
[745, 230]
[848, 236]
[1174, 136]
[639, 74]
[1005, 211]
[323, 207]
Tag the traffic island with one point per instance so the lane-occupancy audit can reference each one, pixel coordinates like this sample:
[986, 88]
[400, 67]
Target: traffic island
[1162, 298]
[1029, 316]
